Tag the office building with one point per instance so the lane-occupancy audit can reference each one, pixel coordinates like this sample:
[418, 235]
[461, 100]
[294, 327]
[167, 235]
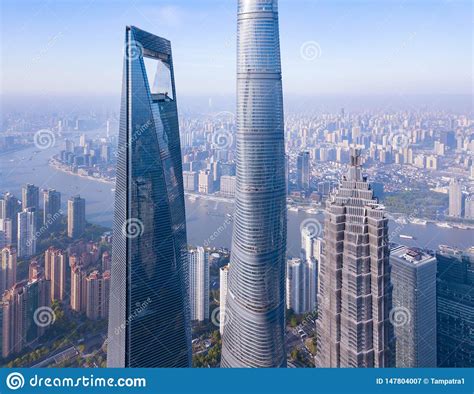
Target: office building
[76, 217]
[295, 285]
[455, 307]
[355, 291]
[190, 181]
[149, 252]
[199, 283]
[6, 227]
[9, 209]
[223, 273]
[311, 254]
[27, 232]
[455, 199]
[52, 213]
[30, 197]
[206, 182]
[255, 335]
[227, 187]
[8, 268]
[469, 207]
[303, 171]
[414, 307]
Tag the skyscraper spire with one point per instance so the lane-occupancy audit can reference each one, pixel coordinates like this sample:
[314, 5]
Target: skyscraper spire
[255, 309]
[354, 172]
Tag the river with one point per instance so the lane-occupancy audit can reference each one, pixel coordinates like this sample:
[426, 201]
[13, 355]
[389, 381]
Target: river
[208, 222]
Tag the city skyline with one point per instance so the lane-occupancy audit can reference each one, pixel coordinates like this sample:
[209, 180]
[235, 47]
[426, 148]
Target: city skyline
[291, 186]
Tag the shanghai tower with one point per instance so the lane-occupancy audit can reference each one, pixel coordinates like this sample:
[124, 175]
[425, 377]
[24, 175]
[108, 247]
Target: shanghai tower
[254, 333]
[149, 321]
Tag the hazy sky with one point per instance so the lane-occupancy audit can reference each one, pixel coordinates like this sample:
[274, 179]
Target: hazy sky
[391, 47]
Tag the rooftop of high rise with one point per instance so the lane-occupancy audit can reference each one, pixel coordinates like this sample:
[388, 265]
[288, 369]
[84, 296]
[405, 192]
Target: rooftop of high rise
[411, 255]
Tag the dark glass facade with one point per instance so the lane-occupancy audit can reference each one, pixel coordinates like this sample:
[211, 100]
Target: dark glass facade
[149, 323]
[455, 308]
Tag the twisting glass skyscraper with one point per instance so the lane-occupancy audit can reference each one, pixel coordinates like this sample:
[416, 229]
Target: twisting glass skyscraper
[254, 333]
[149, 309]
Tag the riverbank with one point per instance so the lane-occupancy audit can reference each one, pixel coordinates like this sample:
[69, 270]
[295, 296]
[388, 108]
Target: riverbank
[56, 164]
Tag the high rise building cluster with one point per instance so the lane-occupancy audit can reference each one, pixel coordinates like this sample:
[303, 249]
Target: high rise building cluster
[25, 308]
[378, 304]
[92, 158]
[23, 223]
[20, 309]
[302, 274]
